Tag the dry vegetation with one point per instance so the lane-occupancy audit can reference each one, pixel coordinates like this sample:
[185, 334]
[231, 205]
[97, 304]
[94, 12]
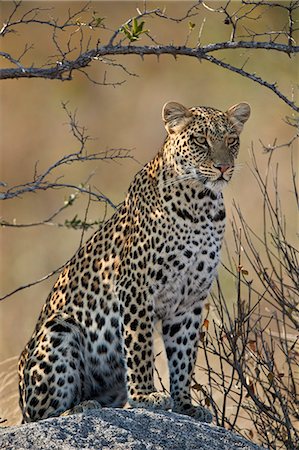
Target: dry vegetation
[249, 351]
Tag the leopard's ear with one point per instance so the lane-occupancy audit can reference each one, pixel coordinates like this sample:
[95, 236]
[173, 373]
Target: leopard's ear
[176, 117]
[238, 115]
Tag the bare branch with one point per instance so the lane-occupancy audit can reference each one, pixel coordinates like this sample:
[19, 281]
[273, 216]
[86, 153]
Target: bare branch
[42, 182]
[28, 285]
[47, 221]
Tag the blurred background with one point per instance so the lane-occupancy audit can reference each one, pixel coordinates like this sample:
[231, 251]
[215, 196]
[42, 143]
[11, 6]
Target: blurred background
[35, 133]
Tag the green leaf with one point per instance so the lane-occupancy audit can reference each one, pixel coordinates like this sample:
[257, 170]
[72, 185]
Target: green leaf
[133, 30]
[135, 26]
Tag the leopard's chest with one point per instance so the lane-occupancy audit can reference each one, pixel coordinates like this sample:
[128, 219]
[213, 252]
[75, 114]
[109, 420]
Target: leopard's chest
[189, 266]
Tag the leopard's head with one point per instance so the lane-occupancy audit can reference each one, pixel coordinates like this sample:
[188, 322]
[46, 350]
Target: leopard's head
[203, 143]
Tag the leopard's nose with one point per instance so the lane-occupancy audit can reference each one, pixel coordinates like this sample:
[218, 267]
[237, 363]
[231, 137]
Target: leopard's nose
[222, 167]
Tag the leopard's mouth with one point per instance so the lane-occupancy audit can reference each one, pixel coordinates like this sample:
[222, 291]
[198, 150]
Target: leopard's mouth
[221, 179]
[211, 180]
[217, 185]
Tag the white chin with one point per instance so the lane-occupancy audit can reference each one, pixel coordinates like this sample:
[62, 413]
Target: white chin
[216, 186]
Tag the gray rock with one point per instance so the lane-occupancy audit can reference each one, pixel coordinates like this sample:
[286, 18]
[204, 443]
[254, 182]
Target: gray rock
[121, 429]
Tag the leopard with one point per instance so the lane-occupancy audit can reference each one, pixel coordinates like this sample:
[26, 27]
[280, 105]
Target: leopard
[154, 261]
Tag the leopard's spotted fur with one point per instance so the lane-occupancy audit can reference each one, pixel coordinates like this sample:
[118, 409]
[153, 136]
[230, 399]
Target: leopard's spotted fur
[155, 259]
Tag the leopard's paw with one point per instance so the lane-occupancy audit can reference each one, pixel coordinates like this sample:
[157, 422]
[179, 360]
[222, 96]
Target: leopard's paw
[154, 400]
[82, 407]
[197, 412]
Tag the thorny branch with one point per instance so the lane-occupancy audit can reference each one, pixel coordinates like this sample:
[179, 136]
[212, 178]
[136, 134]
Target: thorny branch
[85, 27]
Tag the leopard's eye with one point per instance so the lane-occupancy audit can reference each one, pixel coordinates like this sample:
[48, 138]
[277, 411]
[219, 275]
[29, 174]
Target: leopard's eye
[232, 140]
[202, 141]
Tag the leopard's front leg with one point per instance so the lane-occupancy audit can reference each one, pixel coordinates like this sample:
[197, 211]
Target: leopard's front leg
[180, 334]
[138, 328]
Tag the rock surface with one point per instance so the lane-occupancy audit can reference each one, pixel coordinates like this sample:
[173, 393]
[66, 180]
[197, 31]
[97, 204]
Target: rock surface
[121, 429]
